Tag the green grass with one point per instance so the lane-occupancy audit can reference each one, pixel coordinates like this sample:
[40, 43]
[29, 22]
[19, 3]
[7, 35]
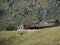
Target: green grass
[48, 36]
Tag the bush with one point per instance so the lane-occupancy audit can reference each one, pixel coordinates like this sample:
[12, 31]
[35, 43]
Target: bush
[10, 28]
[21, 33]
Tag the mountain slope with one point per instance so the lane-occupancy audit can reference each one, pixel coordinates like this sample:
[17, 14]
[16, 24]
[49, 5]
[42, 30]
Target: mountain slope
[13, 11]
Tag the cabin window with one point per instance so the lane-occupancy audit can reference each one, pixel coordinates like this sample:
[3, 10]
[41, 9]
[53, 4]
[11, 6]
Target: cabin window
[20, 27]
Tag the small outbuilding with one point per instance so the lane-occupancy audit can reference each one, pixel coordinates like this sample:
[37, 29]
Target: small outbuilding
[24, 24]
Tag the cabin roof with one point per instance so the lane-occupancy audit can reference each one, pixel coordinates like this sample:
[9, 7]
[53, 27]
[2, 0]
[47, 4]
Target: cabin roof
[51, 20]
[35, 21]
[25, 22]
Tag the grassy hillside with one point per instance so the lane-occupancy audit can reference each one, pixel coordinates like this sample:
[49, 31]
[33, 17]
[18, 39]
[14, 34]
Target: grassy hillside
[48, 36]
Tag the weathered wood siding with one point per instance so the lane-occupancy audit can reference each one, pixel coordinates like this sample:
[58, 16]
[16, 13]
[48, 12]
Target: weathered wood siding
[43, 23]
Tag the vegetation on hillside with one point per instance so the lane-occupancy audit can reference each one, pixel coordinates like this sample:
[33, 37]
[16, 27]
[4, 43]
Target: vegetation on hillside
[13, 11]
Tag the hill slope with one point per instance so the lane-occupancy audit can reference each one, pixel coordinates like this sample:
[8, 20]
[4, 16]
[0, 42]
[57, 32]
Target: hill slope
[13, 11]
[48, 36]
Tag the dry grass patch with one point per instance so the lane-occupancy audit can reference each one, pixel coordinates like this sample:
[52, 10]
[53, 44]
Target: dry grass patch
[48, 36]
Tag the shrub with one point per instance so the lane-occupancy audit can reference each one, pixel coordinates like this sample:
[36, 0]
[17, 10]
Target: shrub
[21, 33]
[10, 28]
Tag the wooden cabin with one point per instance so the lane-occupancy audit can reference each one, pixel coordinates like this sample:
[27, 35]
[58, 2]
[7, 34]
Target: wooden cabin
[52, 22]
[45, 23]
[36, 24]
[25, 24]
